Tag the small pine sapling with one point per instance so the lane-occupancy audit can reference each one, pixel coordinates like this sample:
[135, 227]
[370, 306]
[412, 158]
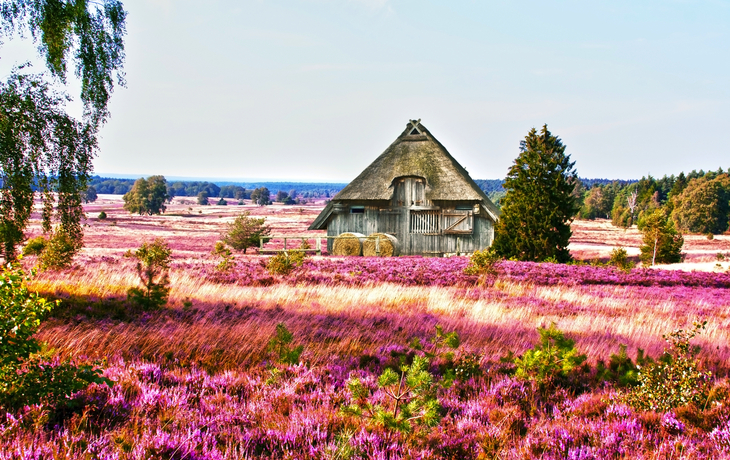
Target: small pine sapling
[484, 264]
[550, 363]
[280, 346]
[411, 399]
[153, 264]
[284, 262]
[226, 264]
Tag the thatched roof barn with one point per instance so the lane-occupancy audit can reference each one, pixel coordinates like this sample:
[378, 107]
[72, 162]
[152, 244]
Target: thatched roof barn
[418, 193]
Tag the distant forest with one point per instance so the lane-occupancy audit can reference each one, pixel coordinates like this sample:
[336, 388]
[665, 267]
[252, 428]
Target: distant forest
[226, 189]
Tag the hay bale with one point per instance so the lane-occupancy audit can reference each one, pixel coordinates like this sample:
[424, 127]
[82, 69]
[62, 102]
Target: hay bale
[388, 245]
[348, 244]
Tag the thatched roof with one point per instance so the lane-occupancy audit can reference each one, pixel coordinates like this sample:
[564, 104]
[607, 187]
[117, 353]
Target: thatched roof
[414, 153]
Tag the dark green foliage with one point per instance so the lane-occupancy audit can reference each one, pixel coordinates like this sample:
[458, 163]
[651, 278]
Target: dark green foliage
[703, 206]
[40, 148]
[261, 196]
[552, 362]
[539, 205]
[222, 202]
[411, 396]
[90, 195]
[153, 263]
[245, 232]
[661, 242]
[621, 370]
[27, 375]
[203, 198]
[676, 379]
[102, 215]
[280, 346]
[148, 196]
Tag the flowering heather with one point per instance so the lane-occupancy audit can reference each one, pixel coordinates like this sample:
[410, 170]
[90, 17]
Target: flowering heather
[420, 271]
[197, 380]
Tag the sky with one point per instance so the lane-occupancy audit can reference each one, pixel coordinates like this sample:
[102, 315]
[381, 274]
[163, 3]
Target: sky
[315, 90]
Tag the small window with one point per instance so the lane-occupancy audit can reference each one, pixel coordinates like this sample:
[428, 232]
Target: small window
[357, 209]
[464, 207]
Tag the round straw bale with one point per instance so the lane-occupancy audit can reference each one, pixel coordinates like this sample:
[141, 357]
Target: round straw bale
[388, 245]
[348, 244]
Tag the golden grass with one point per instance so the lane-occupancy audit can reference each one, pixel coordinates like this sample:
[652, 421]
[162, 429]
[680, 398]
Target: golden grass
[232, 324]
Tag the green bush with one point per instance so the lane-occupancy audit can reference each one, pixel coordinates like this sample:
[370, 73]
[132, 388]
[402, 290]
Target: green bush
[552, 362]
[675, 379]
[222, 202]
[226, 264]
[35, 246]
[621, 370]
[280, 346]
[245, 232]
[284, 262]
[153, 264]
[59, 252]
[483, 263]
[27, 375]
[411, 399]
[102, 215]
[620, 259]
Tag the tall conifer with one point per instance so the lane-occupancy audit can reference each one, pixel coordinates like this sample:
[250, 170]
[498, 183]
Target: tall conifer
[538, 207]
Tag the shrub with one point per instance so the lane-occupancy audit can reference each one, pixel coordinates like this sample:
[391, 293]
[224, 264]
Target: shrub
[552, 362]
[483, 263]
[59, 252]
[280, 346]
[35, 246]
[222, 202]
[621, 370]
[221, 250]
[284, 262]
[102, 215]
[675, 379]
[410, 395]
[28, 376]
[153, 263]
[619, 259]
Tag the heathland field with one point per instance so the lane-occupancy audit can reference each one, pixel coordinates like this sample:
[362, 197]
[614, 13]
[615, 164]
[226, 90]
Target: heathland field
[198, 378]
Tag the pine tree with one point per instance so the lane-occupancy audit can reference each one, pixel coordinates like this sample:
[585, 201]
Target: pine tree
[539, 206]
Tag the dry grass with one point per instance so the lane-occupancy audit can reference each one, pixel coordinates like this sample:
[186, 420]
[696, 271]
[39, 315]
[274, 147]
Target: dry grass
[231, 324]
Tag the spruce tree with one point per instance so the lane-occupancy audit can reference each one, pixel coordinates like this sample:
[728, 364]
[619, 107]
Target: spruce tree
[539, 206]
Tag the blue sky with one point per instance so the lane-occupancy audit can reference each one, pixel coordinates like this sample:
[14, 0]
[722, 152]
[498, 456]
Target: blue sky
[315, 90]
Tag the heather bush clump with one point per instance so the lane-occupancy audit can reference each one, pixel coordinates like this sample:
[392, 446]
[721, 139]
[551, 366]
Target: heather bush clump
[153, 264]
[675, 379]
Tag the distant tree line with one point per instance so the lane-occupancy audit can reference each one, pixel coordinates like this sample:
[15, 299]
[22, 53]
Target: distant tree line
[698, 202]
[238, 191]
